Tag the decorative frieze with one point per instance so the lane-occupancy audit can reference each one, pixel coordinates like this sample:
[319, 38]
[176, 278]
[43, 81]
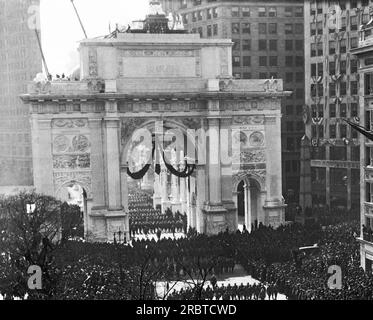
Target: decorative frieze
[71, 162]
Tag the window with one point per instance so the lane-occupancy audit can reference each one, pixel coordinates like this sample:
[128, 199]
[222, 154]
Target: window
[236, 45]
[194, 16]
[343, 88]
[199, 15]
[246, 44]
[185, 18]
[289, 45]
[354, 110]
[262, 44]
[313, 49]
[354, 42]
[246, 75]
[209, 31]
[338, 153]
[272, 12]
[209, 14]
[343, 110]
[332, 111]
[246, 12]
[365, 18]
[332, 89]
[313, 29]
[313, 69]
[272, 28]
[354, 88]
[288, 11]
[215, 29]
[273, 45]
[289, 126]
[273, 61]
[332, 131]
[353, 4]
[262, 12]
[289, 77]
[353, 23]
[215, 12]
[343, 24]
[290, 144]
[353, 64]
[288, 28]
[321, 110]
[319, 28]
[262, 28]
[299, 61]
[299, 44]
[263, 61]
[343, 46]
[299, 11]
[235, 12]
[236, 61]
[235, 28]
[298, 28]
[289, 110]
[319, 7]
[343, 66]
[342, 131]
[320, 69]
[246, 61]
[331, 67]
[289, 61]
[237, 75]
[246, 28]
[332, 46]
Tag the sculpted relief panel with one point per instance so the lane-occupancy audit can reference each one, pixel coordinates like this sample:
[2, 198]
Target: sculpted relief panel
[71, 154]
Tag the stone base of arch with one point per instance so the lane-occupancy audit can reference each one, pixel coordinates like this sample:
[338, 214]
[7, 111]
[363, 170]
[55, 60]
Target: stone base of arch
[102, 224]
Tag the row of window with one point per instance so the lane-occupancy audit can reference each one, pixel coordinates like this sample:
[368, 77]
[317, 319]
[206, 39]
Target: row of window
[336, 153]
[291, 126]
[317, 111]
[264, 44]
[317, 48]
[319, 130]
[317, 69]
[317, 90]
[268, 61]
[267, 12]
[317, 6]
[291, 166]
[289, 77]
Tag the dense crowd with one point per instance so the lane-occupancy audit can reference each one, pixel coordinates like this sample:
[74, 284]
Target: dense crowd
[229, 292]
[144, 219]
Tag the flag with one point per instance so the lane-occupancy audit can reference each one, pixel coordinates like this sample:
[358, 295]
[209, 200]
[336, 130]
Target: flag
[362, 130]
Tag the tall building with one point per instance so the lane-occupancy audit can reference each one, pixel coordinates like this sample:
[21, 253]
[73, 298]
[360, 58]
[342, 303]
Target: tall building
[332, 87]
[20, 61]
[268, 41]
[364, 52]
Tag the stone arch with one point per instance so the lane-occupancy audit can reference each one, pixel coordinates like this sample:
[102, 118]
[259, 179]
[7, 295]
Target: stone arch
[246, 177]
[65, 185]
[171, 123]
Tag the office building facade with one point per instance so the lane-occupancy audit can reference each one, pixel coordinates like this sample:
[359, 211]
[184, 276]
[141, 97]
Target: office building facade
[268, 42]
[332, 94]
[20, 61]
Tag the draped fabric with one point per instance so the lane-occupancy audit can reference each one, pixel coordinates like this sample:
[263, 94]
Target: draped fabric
[362, 130]
[187, 172]
[140, 174]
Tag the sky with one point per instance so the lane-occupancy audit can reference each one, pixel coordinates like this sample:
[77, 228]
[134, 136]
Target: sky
[61, 30]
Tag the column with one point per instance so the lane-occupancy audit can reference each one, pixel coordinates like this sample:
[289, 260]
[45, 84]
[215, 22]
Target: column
[192, 206]
[42, 156]
[201, 197]
[157, 196]
[97, 163]
[183, 195]
[112, 164]
[164, 184]
[214, 177]
[248, 219]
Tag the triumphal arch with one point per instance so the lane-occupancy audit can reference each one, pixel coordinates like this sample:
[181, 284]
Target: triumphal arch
[152, 78]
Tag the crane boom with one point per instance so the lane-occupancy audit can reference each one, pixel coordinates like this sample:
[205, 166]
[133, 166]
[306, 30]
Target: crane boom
[80, 21]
